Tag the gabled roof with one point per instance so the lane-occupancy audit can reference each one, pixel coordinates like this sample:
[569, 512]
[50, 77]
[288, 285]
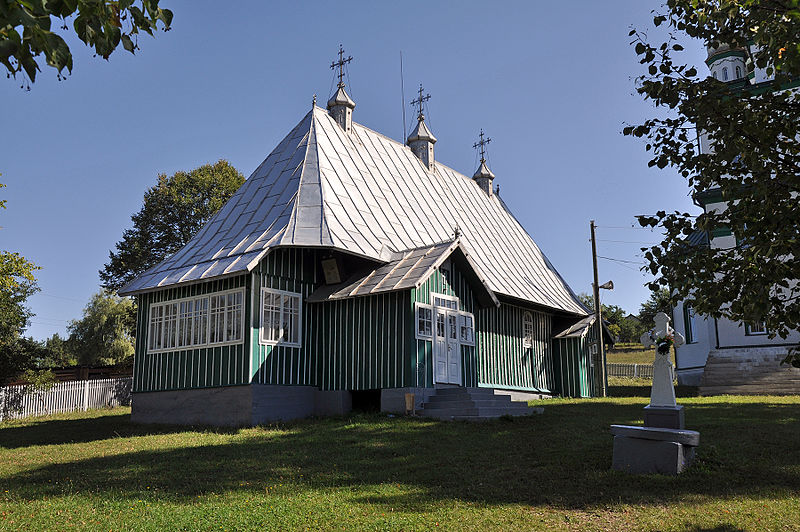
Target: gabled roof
[365, 194]
[409, 269]
[581, 327]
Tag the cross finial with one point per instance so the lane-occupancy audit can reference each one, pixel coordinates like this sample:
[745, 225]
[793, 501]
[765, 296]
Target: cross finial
[419, 100]
[340, 65]
[314, 101]
[481, 144]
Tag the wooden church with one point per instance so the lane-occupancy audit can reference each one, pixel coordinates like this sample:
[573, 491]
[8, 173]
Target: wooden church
[352, 266]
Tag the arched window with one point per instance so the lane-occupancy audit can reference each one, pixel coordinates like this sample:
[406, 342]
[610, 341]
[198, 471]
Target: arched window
[738, 72]
[725, 74]
[715, 75]
[527, 329]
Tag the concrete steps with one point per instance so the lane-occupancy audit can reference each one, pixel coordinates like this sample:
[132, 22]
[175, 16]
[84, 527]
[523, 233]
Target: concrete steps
[473, 404]
[751, 371]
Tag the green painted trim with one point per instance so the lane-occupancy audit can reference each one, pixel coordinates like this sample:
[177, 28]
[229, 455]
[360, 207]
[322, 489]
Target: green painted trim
[712, 195]
[721, 231]
[723, 55]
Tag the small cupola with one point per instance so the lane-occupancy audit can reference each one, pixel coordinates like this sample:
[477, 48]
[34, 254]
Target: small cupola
[340, 106]
[483, 176]
[421, 140]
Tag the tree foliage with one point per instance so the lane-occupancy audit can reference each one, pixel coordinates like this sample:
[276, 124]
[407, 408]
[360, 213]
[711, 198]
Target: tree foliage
[26, 30]
[659, 301]
[622, 326]
[173, 211]
[755, 163]
[105, 333]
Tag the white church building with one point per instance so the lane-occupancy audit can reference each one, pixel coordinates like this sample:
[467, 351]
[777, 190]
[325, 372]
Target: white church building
[720, 355]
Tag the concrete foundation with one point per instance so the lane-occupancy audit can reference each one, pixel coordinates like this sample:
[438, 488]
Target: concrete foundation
[394, 399]
[237, 406]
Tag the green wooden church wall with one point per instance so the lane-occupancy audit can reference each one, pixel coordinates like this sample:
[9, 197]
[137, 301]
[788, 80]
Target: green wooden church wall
[358, 343]
[179, 369]
[503, 360]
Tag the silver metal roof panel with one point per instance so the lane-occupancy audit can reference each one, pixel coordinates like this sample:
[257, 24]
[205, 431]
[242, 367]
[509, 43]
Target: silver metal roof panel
[357, 192]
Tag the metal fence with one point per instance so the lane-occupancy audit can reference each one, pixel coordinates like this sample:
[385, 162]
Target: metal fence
[24, 400]
[644, 371]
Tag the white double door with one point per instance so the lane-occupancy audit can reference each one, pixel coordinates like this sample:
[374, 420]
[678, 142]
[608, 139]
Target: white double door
[447, 349]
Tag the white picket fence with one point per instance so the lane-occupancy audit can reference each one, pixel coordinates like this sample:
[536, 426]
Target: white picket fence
[23, 400]
[644, 371]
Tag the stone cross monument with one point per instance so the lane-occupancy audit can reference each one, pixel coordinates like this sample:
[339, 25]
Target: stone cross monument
[663, 411]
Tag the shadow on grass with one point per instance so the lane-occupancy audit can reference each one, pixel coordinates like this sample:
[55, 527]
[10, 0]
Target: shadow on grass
[50, 431]
[639, 390]
[560, 458]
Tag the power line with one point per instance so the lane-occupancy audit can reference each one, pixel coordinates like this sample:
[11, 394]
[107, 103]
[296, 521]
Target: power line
[622, 260]
[630, 242]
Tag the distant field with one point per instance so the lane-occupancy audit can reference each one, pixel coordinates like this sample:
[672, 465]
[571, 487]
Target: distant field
[98, 471]
[632, 354]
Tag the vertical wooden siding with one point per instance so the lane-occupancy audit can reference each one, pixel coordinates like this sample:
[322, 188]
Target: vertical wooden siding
[351, 344]
[193, 367]
[450, 283]
[290, 270]
[503, 361]
[363, 343]
[572, 367]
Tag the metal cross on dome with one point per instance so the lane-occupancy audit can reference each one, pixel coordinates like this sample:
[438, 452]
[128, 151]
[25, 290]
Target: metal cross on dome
[419, 100]
[340, 65]
[481, 144]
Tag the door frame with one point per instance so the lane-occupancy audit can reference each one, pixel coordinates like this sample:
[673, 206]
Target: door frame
[445, 311]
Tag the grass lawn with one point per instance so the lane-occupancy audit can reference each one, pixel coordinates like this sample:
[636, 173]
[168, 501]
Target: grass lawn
[97, 471]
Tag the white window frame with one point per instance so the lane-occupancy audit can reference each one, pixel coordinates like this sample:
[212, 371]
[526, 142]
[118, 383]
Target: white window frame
[298, 325]
[527, 339]
[206, 314]
[445, 297]
[453, 305]
[420, 334]
[462, 323]
[748, 329]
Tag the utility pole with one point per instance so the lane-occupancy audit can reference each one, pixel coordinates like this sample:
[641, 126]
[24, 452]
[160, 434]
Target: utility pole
[598, 315]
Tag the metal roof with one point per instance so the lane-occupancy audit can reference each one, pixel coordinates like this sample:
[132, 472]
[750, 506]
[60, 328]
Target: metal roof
[409, 269]
[581, 328]
[366, 194]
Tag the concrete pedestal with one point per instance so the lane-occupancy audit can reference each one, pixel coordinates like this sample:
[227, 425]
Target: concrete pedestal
[667, 417]
[653, 450]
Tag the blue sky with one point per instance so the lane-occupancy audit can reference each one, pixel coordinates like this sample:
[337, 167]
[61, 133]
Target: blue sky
[551, 83]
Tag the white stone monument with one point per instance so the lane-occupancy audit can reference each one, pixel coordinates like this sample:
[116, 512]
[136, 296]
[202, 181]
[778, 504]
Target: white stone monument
[662, 445]
[663, 411]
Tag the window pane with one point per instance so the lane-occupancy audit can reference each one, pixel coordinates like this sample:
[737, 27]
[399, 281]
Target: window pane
[217, 319]
[200, 321]
[170, 325]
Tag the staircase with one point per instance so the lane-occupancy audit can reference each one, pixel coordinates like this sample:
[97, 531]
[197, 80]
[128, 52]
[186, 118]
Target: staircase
[473, 404]
[749, 371]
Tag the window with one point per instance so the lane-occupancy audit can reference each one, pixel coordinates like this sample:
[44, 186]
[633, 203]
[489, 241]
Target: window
[738, 72]
[725, 74]
[467, 329]
[688, 324]
[280, 317]
[715, 75]
[755, 329]
[196, 321]
[527, 330]
[445, 301]
[424, 321]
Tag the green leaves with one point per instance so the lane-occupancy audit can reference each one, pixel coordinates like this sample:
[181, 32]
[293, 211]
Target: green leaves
[173, 211]
[25, 30]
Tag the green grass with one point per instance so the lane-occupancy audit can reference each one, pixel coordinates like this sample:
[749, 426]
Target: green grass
[98, 471]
